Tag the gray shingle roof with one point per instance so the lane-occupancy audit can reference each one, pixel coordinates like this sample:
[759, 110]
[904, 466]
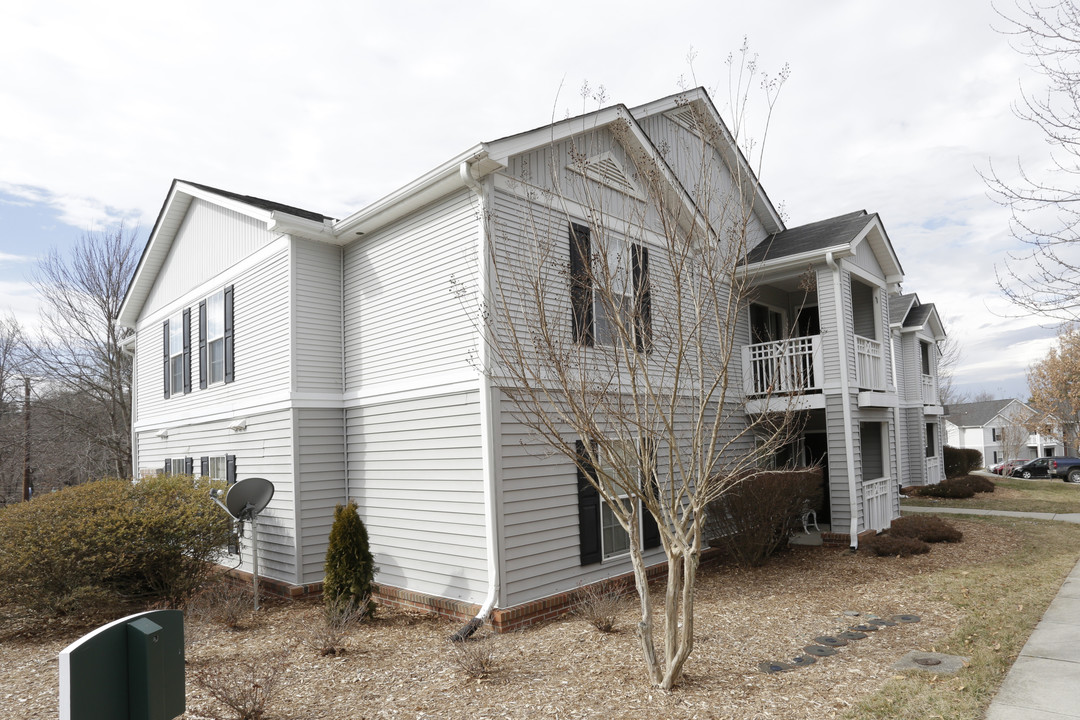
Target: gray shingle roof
[807, 238]
[918, 315]
[976, 414]
[899, 305]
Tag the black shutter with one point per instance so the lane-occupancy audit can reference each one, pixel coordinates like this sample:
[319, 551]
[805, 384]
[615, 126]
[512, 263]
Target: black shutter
[168, 466]
[642, 298]
[202, 345]
[581, 305]
[186, 325]
[230, 469]
[650, 531]
[204, 466]
[189, 466]
[588, 509]
[167, 375]
[229, 334]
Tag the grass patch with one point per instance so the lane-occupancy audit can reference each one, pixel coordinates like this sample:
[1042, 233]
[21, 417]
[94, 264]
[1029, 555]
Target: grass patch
[1001, 603]
[1045, 496]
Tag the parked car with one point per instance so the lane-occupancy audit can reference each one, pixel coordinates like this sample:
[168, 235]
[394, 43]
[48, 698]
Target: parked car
[1037, 468]
[1007, 466]
[1066, 468]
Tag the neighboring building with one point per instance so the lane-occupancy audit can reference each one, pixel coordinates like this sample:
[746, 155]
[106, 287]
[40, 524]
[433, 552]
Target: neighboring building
[1003, 430]
[331, 357]
[916, 330]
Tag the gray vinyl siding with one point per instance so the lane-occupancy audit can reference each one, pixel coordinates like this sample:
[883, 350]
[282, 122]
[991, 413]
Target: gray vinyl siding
[830, 325]
[320, 482]
[210, 240]
[864, 258]
[402, 319]
[415, 470]
[839, 489]
[264, 449]
[683, 150]
[261, 318]
[317, 317]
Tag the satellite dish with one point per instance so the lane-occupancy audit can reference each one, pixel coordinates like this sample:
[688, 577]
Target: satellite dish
[244, 500]
[248, 497]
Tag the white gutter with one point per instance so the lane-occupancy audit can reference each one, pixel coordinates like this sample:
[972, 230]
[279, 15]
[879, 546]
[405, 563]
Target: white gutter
[845, 393]
[487, 413]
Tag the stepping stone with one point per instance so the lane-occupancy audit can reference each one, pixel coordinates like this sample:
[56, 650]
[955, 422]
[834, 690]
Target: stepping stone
[864, 628]
[906, 618]
[773, 668]
[931, 662]
[852, 635]
[803, 660]
[819, 650]
[830, 641]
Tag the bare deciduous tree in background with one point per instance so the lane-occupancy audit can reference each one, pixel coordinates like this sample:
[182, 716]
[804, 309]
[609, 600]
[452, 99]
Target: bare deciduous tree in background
[78, 352]
[614, 327]
[1045, 279]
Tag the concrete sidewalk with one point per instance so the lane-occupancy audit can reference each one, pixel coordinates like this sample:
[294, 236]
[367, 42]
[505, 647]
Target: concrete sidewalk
[1044, 682]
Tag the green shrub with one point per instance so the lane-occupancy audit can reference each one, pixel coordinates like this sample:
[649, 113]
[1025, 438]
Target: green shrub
[900, 546]
[948, 489]
[350, 567]
[755, 517]
[926, 528]
[94, 544]
[961, 461]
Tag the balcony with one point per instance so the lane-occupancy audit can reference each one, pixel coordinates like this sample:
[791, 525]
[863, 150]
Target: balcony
[929, 390]
[870, 364]
[783, 367]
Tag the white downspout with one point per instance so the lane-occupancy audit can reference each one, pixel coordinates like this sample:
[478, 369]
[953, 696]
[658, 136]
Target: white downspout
[845, 392]
[896, 412]
[126, 346]
[487, 414]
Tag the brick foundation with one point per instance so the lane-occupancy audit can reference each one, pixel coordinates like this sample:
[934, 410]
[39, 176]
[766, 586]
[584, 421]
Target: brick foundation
[843, 540]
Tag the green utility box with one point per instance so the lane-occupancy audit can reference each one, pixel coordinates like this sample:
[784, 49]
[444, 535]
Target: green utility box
[130, 669]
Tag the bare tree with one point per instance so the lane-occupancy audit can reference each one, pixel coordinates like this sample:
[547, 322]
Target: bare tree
[1014, 431]
[613, 326]
[12, 367]
[1045, 279]
[79, 351]
[949, 355]
[1054, 384]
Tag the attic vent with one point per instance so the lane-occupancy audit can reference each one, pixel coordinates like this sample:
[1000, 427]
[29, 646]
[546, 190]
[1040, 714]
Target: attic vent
[685, 116]
[606, 170]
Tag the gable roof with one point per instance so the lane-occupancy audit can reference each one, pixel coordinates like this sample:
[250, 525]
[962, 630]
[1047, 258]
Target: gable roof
[277, 216]
[908, 313]
[977, 414]
[839, 235]
[899, 305]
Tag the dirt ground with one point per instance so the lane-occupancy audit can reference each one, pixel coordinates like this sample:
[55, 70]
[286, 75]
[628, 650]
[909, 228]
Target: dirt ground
[401, 665]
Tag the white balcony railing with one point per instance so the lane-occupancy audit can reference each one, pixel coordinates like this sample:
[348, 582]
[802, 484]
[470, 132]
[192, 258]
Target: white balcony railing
[870, 364]
[783, 367]
[929, 390]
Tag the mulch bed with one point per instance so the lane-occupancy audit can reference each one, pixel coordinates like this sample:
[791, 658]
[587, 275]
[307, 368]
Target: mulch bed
[401, 665]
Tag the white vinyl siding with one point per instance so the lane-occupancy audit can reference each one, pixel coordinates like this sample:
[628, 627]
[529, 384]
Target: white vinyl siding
[261, 356]
[402, 320]
[210, 240]
[320, 483]
[415, 471]
[317, 317]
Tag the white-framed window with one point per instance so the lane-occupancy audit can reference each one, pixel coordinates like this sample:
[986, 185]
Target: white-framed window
[215, 337]
[218, 469]
[176, 355]
[614, 540]
[623, 268]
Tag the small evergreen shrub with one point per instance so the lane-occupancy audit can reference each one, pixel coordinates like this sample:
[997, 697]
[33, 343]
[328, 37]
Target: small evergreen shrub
[926, 528]
[89, 546]
[754, 518]
[883, 545]
[961, 461]
[350, 567]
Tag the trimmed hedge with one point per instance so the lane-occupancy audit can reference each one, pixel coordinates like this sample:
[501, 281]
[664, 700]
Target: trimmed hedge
[754, 518]
[926, 528]
[111, 540]
[957, 488]
[897, 545]
[961, 461]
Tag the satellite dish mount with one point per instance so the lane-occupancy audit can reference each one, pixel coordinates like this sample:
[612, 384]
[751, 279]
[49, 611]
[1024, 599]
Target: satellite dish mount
[244, 500]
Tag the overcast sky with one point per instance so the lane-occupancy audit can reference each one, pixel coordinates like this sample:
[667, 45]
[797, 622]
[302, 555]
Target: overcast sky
[891, 107]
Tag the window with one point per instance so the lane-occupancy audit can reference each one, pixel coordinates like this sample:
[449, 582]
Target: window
[177, 334]
[994, 434]
[931, 440]
[872, 450]
[924, 351]
[216, 338]
[766, 324]
[597, 316]
[219, 467]
[601, 535]
[179, 466]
